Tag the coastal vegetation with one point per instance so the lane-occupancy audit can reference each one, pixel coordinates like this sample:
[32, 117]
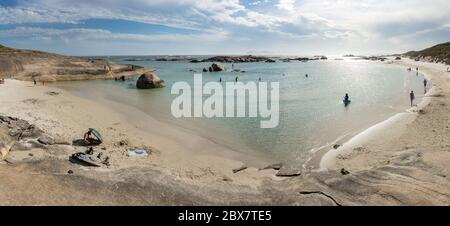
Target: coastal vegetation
[438, 54]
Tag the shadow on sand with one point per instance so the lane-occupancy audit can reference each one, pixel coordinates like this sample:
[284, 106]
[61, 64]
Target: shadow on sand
[82, 143]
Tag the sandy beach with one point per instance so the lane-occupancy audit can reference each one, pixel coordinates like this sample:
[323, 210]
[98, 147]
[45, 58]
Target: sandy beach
[425, 125]
[173, 150]
[402, 161]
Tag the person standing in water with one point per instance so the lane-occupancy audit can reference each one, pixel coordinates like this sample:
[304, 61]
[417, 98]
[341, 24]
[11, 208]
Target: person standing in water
[306, 75]
[220, 79]
[236, 79]
[259, 79]
[412, 97]
[346, 98]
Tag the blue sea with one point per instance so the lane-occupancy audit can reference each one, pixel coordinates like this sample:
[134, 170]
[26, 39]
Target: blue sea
[312, 114]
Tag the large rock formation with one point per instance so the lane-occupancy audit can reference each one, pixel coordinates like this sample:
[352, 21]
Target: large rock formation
[217, 67]
[47, 67]
[149, 81]
[237, 59]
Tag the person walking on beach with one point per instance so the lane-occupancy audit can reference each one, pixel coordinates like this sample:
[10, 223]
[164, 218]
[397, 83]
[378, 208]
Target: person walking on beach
[34, 81]
[412, 97]
[425, 82]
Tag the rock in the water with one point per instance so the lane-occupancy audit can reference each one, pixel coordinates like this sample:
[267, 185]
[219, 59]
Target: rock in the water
[46, 139]
[236, 59]
[149, 81]
[288, 172]
[70, 172]
[205, 70]
[270, 61]
[240, 169]
[217, 67]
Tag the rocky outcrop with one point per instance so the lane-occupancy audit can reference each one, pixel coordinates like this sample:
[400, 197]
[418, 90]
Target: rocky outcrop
[437, 54]
[19, 129]
[149, 81]
[19, 135]
[174, 58]
[237, 59]
[31, 65]
[305, 59]
[216, 67]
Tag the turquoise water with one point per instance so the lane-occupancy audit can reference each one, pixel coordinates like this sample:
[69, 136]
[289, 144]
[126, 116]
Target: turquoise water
[311, 109]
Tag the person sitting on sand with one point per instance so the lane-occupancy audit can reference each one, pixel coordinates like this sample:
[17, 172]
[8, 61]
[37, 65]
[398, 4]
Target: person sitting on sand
[88, 138]
[412, 97]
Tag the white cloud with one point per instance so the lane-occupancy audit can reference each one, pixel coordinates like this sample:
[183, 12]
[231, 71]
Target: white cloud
[318, 21]
[82, 34]
[288, 5]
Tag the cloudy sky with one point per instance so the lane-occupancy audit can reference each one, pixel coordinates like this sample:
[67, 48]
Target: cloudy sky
[297, 27]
